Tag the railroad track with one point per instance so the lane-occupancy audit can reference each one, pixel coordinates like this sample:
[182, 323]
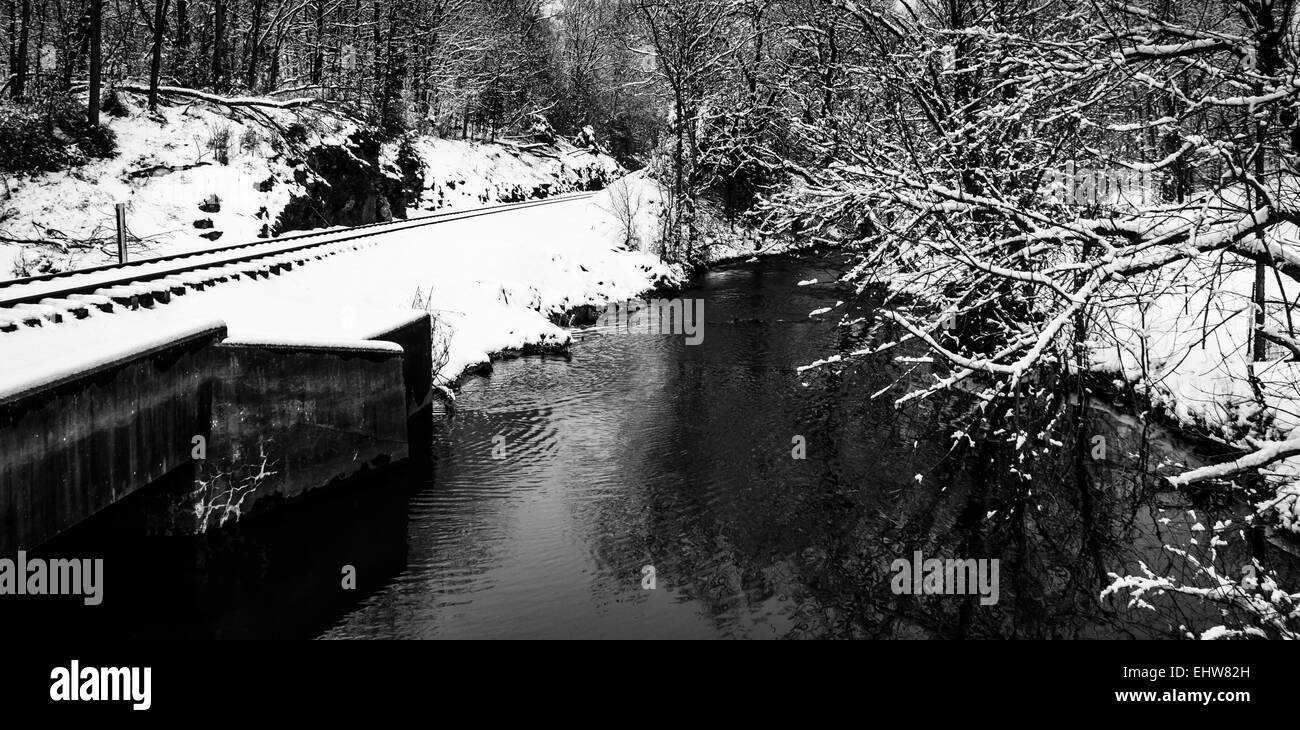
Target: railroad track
[49, 299]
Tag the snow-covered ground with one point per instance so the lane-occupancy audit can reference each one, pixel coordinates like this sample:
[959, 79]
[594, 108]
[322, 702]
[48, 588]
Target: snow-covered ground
[491, 284]
[73, 209]
[170, 162]
[460, 174]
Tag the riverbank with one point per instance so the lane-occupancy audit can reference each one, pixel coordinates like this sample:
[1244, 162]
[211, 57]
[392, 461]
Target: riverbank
[619, 250]
[1173, 347]
[1177, 346]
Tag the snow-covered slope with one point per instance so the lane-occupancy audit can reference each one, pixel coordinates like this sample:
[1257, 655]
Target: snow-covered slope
[197, 174]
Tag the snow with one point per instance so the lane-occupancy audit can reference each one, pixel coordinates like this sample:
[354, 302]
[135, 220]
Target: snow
[459, 174]
[1182, 336]
[491, 283]
[216, 262]
[74, 210]
[304, 343]
[35, 357]
[1285, 505]
[78, 204]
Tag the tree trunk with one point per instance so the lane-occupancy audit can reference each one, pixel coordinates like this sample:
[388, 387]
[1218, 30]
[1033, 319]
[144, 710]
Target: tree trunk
[155, 63]
[182, 46]
[377, 89]
[273, 75]
[254, 45]
[218, 42]
[20, 63]
[318, 54]
[96, 59]
[12, 7]
[76, 48]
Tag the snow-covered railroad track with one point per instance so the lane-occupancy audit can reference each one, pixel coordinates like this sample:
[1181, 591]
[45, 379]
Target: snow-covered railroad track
[53, 298]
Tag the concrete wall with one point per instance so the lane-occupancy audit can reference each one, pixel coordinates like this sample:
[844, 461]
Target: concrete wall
[416, 338]
[287, 419]
[72, 449]
[275, 421]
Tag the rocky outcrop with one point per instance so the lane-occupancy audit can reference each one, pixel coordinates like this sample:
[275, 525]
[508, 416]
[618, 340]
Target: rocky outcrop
[347, 185]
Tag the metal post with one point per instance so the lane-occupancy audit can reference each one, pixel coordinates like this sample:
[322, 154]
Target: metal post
[121, 233]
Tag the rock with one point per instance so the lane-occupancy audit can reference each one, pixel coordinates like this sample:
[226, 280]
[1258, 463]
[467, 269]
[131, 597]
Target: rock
[211, 235]
[203, 223]
[542, 130]
[586, 139]
[344, 184]
[211, 204]
[266, 185]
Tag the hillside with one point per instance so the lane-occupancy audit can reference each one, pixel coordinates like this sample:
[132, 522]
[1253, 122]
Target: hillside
[205, 170]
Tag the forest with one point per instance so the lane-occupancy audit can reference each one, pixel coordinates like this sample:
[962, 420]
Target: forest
[927, 136]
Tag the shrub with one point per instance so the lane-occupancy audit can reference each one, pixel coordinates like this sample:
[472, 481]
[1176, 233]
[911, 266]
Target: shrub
[33, 264]
[219, 142]
[35, 141]
[249, 141]
[296, 132]
[27, 143]
[112, 104]
[92, 140]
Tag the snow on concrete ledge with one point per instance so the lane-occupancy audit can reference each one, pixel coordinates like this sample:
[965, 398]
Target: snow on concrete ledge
[300, 345]
[43, 357]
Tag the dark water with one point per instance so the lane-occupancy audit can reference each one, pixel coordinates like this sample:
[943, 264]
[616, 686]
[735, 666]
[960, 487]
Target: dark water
[638, 450]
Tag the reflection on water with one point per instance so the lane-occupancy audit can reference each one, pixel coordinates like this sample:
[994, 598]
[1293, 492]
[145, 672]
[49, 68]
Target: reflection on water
[637, 451]
[274, 576]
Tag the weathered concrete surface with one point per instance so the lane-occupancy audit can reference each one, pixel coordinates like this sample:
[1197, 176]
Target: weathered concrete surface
[216, 430]
[415, 336]
[75, 447]
[287, 419]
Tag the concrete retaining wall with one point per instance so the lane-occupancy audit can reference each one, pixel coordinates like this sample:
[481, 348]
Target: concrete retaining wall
[75, 447]
[416, 339]
[289, 419]
[274, 422]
